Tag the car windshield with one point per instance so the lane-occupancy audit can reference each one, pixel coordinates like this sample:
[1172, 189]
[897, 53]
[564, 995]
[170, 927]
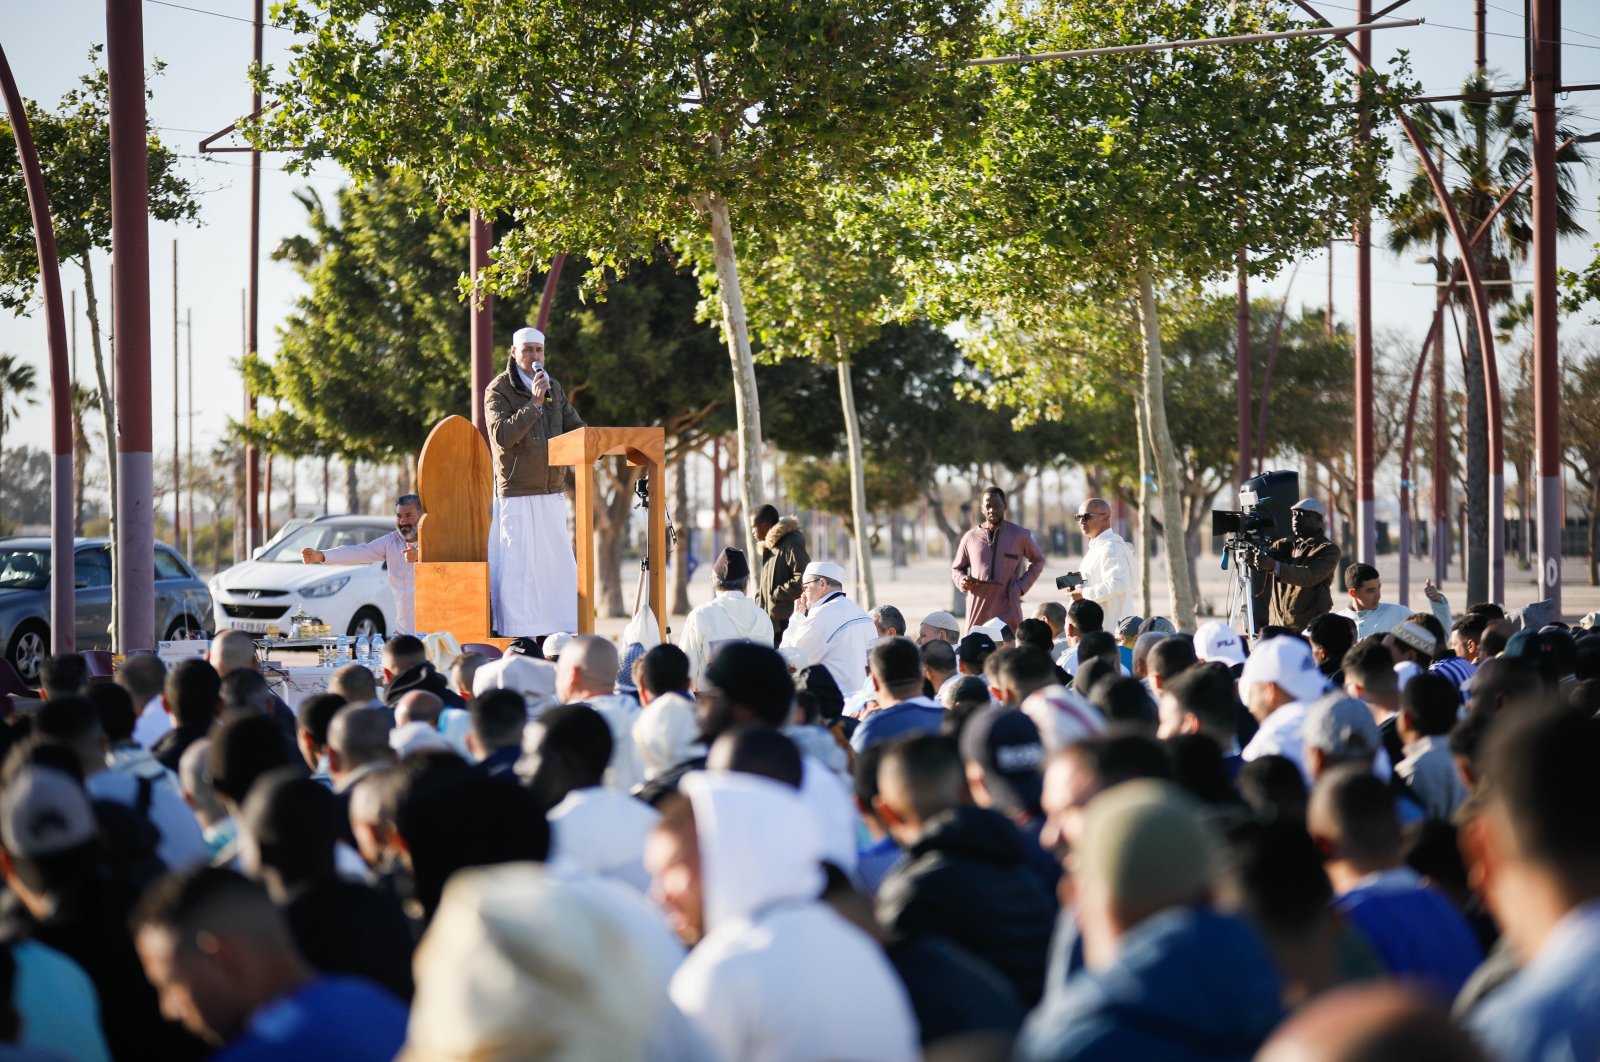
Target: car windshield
[24, 569]
[322, 536]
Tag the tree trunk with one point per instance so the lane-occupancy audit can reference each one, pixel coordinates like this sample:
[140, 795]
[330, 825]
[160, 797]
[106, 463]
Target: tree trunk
[108, 414]
[736, 329]
[680, 520]
[352, 489]
[1166, 458]
[1142, 427]
[858, 478]
[80, 459]
[1594, 530]
[930, 492]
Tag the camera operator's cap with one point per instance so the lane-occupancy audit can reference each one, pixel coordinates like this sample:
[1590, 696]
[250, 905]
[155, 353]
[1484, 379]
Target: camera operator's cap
[975, 647]
[1416, 636]
[554, 643]
[1218, 641]
[1285, 661]
[1128, 627]
[1311, 505]
[942, 621]
[730, 566]
[527, 335]
[1341, 727]
[44, 811]
[823, 570]
[1006, 745]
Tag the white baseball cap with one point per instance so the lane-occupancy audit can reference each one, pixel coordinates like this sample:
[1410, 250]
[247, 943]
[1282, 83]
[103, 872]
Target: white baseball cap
[1286, 662]
[1218, 641]
[824, 570]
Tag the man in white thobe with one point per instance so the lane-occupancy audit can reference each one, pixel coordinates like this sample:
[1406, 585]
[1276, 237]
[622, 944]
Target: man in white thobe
[398, 549]
[1108, 564]
[730, 616]
[533, 573]
[829, 628]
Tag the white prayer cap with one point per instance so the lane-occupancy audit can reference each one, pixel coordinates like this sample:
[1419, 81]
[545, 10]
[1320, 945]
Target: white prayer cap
[527, 335]
[824, 570]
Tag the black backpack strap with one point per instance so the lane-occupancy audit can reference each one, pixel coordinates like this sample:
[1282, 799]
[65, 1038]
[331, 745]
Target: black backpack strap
[141, 803]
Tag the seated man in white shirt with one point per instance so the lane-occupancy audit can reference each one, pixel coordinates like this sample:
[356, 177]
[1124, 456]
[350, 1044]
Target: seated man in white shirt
[829, 628]
[1372, 614]
[1279, 682]
[728, 616]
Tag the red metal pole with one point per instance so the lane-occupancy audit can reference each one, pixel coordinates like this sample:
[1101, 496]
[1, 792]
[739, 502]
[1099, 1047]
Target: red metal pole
[1366, 515]
[1441, 474]
[1545, 28]
[548, 299]
[177, 473]
[1242, 324]
[482, 238]
[252, 456]
[63, 621]
[130, 249]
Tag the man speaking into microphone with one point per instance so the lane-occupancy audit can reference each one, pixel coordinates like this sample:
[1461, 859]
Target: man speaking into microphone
[533, 574]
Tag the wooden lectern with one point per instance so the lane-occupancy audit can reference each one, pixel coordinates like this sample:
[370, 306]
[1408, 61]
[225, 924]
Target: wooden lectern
[644, 447]
[455, 477]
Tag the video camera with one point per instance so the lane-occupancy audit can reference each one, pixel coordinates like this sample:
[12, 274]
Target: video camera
[1069, 581]
[1252, 527]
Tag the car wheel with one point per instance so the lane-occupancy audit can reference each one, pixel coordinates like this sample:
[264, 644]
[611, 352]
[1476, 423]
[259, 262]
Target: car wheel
[181, 624]
[367, 621]
[28, 648]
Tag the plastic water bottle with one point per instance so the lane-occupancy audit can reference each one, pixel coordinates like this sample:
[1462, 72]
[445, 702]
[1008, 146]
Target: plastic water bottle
[364, 650]
[376, 652]
[341, 652]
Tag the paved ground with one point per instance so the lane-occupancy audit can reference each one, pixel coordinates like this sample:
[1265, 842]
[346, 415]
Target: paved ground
[923, 587]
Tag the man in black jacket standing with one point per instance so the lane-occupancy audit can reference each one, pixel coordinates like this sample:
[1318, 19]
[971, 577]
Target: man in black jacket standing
[781, 546]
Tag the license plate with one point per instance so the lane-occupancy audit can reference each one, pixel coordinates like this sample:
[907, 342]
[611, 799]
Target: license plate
[249, 626]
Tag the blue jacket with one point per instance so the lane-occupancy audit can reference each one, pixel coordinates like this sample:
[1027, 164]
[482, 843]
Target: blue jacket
[1190, 985]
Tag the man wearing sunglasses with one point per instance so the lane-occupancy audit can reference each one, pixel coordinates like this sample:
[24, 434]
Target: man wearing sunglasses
[1108, 564]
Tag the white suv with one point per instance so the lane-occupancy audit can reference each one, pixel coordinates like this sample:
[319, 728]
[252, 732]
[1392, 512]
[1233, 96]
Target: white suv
[267, 591]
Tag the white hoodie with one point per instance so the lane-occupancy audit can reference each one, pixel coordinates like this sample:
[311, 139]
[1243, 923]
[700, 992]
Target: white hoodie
[764, 985]
[727, 617]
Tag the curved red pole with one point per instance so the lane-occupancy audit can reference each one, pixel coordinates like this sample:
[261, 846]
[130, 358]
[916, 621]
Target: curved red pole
[63, 620]
[1480, 311]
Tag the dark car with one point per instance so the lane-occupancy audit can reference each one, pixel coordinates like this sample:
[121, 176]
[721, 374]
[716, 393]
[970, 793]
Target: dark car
[182, 600]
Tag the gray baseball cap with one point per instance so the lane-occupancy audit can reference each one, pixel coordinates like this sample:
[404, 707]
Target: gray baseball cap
[1311, 505]
[44, 811]
[1341, 727]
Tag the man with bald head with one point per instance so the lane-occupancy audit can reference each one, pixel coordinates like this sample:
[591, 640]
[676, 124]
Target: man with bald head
[1108, 564]
[418, 706]
[587, 674]
[358, 744]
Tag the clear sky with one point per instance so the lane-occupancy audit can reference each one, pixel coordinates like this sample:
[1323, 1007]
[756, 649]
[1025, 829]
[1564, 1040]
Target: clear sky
[206, 46]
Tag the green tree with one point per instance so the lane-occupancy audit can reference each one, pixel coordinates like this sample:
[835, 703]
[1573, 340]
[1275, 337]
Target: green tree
[1487, 149]
[1580, 432]
[74, 146]
[18, 382]
[601, 126]
[1115, 178]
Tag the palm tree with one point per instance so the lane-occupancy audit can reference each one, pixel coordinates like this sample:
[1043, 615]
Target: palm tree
[18, 382]
[1487, 149]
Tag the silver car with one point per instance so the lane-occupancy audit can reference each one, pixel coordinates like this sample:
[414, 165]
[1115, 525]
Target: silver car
[182, 600]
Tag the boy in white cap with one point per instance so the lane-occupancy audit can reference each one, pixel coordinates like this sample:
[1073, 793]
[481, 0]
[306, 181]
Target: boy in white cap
[1279, 682]
[533, 574]
[828, 627]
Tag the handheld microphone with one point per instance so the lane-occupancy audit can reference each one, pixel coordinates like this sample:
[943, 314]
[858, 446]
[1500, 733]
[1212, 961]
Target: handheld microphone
[538, 369]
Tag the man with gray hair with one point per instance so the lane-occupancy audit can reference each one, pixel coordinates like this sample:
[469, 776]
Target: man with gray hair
[397, 549]
[587, 674]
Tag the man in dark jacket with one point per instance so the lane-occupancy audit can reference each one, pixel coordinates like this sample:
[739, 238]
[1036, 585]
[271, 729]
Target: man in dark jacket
[1165, 975]
[965, 874]
[406, 668]
[533, 573]
[1302, 567]
[781, 545]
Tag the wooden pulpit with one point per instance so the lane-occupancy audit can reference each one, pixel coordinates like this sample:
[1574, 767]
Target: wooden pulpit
[455, 477]
[643, 447]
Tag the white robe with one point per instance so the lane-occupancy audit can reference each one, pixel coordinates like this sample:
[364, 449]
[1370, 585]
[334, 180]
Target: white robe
[728, 617]
[533, 574]
[836, 634]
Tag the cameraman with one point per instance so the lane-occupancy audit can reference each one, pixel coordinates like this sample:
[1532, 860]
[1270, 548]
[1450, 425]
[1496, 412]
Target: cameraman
[1303, 566]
